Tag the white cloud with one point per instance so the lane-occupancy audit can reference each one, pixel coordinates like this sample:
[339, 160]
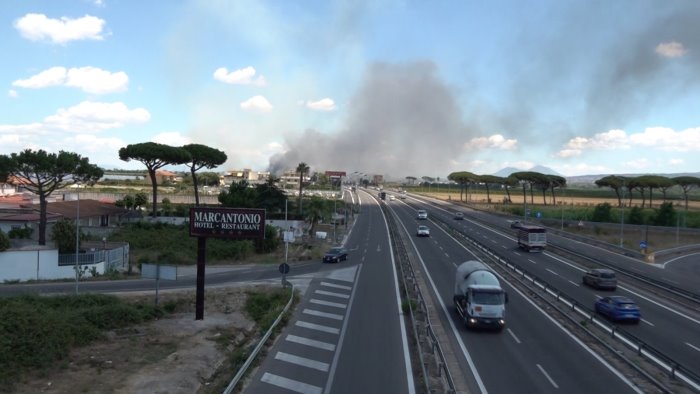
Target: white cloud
[495, 141]
[676, 162]
[12, 93]
[666, 139]
[37, 27]
[613, 139]
[583, 169]
[172, 138]
[324, 104]
[637, 164]
[257, 104]
[89, 79]
[96, 116]
[244, 76]
[523, 164]
[671, 49]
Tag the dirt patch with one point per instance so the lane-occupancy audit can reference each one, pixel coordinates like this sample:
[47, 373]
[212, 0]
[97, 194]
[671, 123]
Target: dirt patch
[177, 354]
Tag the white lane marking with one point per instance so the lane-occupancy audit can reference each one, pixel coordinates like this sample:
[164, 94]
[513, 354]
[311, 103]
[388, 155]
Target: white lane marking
[513, 335]
[532, 261]
[311, 342]
[648, 322]
[677, 258]
[547, 376]
[289, 384]
[694, 347]
[317, 327]
[527, 299]
[553, 273]
[328, 303]
[504, 247]
[516, 253]
[314, 312]
[574, 283]
[448, 256]
[302, 361]
[336, 286]
[332, 294]
[597, 296]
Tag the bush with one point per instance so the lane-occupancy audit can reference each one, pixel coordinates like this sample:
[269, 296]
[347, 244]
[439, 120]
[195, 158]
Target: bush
[264, 307]
[4, 241]
[20, 233]
[636, 216]
[602, 213]
[665, 215]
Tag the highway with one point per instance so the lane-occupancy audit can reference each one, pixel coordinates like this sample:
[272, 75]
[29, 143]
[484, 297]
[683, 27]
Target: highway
[348, 335]
[533, 354]
[659, 317]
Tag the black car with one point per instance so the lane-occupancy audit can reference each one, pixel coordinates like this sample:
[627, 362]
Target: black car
[335, 255]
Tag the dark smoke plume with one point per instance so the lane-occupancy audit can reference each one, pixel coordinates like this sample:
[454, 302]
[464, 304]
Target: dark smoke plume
[402, 122]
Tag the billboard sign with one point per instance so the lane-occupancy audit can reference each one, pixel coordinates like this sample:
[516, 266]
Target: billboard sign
[236, 223]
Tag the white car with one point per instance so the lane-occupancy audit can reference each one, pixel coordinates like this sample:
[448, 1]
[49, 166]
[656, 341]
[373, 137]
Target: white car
[422, 214]
[423, 231]
[392, 198]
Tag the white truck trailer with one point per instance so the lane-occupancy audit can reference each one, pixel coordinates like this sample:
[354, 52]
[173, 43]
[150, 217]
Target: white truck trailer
[532, 238]
[478, 297]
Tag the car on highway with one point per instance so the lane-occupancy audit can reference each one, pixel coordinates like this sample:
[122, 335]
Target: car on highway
[618, 308]
[459, 216]
[335, 255]
[600, 278]
[423, 231]
[392, 198]
[422, 214]
[515, 224]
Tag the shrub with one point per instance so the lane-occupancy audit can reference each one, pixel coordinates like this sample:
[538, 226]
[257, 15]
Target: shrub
[20, 233]
[4, 241]
[602, 213]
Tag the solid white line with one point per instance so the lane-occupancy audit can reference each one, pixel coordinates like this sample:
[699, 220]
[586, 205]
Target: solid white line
[513, 335]
[328, 303]
[463, 348]
[677, 258]
[311, 342]
[314, 312]
[547, 376]
[694, 347]
[290, 384]
[532, 261]
[332, 294]
[317, 327]
[338, 286]
[554, 273]
[659, 305]
[647, 322]
[302, 361]
[546, 315]
[404, 337]
[574, 283]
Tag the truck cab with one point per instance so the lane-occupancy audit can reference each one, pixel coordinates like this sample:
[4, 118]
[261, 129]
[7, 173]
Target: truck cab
[479, 298]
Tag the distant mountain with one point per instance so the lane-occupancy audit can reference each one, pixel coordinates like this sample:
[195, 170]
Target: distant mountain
[505, 172]
[590, 179]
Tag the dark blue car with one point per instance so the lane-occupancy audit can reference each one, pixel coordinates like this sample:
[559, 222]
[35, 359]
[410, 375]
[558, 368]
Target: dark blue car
[335, 255]
[618, 308]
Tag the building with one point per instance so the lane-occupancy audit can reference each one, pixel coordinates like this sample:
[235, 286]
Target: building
[253, 177]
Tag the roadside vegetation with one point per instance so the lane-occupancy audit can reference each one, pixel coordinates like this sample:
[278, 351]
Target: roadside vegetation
[37, 333]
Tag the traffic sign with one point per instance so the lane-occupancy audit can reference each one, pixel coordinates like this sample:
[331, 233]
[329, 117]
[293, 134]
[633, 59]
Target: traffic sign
[642, 245]
[284, 268]
[538, 214]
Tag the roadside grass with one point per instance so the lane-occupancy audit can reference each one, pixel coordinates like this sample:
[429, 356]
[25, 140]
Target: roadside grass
[38, 332]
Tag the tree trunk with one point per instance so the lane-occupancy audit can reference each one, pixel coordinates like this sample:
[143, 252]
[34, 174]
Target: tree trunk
[154, 185]
[196, 188]
[42, 218]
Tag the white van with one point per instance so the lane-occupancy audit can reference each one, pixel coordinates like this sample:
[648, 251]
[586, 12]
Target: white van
[422, 214]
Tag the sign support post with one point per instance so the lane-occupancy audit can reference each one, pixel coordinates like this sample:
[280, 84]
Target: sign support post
[201, 260]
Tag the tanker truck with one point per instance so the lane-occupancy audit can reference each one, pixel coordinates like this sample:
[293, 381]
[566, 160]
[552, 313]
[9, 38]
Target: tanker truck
[478, 298]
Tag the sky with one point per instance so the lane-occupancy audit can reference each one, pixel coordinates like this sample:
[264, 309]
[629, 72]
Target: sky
[392, 87]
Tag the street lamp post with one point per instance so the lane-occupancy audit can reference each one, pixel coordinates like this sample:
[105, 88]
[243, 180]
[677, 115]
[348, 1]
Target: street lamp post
[77, 240]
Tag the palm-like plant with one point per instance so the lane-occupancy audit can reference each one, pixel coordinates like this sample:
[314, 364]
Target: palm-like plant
[302, 169]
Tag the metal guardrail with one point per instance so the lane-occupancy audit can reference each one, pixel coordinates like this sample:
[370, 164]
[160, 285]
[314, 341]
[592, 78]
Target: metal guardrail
[675, 369]
[261, 343]
[442, 369]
